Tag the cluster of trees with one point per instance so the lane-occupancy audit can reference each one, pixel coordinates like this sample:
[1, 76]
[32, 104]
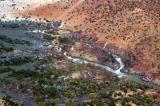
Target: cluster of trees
[20, 24]
[6, 49]
[14, 41]
[5, 69]
[65, 40]
[43, 86]
[48, 37]
[15, 61]
[8, 101]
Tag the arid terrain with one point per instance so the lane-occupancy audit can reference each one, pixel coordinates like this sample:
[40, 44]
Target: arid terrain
[80, 52]
[130, 27]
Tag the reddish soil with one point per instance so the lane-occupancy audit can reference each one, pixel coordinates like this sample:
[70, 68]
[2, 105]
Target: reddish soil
[132, 26]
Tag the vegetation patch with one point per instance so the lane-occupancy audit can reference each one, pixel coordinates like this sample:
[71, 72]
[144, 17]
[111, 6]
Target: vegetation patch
[14, 41]
[15, 61]
[5, 69]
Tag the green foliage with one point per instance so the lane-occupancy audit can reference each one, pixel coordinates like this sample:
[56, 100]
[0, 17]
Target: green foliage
[96, 93]
[14, 41]
[142, 99]
[8, 102]
[5, 69]
[5, 81]
[15, 61]
[6, 49]
[65, 40]
[20, 74]
[48, 38]
[45, 60]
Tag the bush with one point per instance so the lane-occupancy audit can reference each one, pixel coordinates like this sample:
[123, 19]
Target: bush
[5, 69]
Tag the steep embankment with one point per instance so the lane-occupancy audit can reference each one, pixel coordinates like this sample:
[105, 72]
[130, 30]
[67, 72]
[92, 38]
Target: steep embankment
[129, 25]
[49, 11]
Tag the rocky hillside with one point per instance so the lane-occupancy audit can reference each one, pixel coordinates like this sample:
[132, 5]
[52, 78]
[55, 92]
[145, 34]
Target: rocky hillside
[132, 26]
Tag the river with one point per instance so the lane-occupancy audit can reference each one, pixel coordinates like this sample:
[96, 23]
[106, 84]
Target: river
[38, 42]
[118, 72]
